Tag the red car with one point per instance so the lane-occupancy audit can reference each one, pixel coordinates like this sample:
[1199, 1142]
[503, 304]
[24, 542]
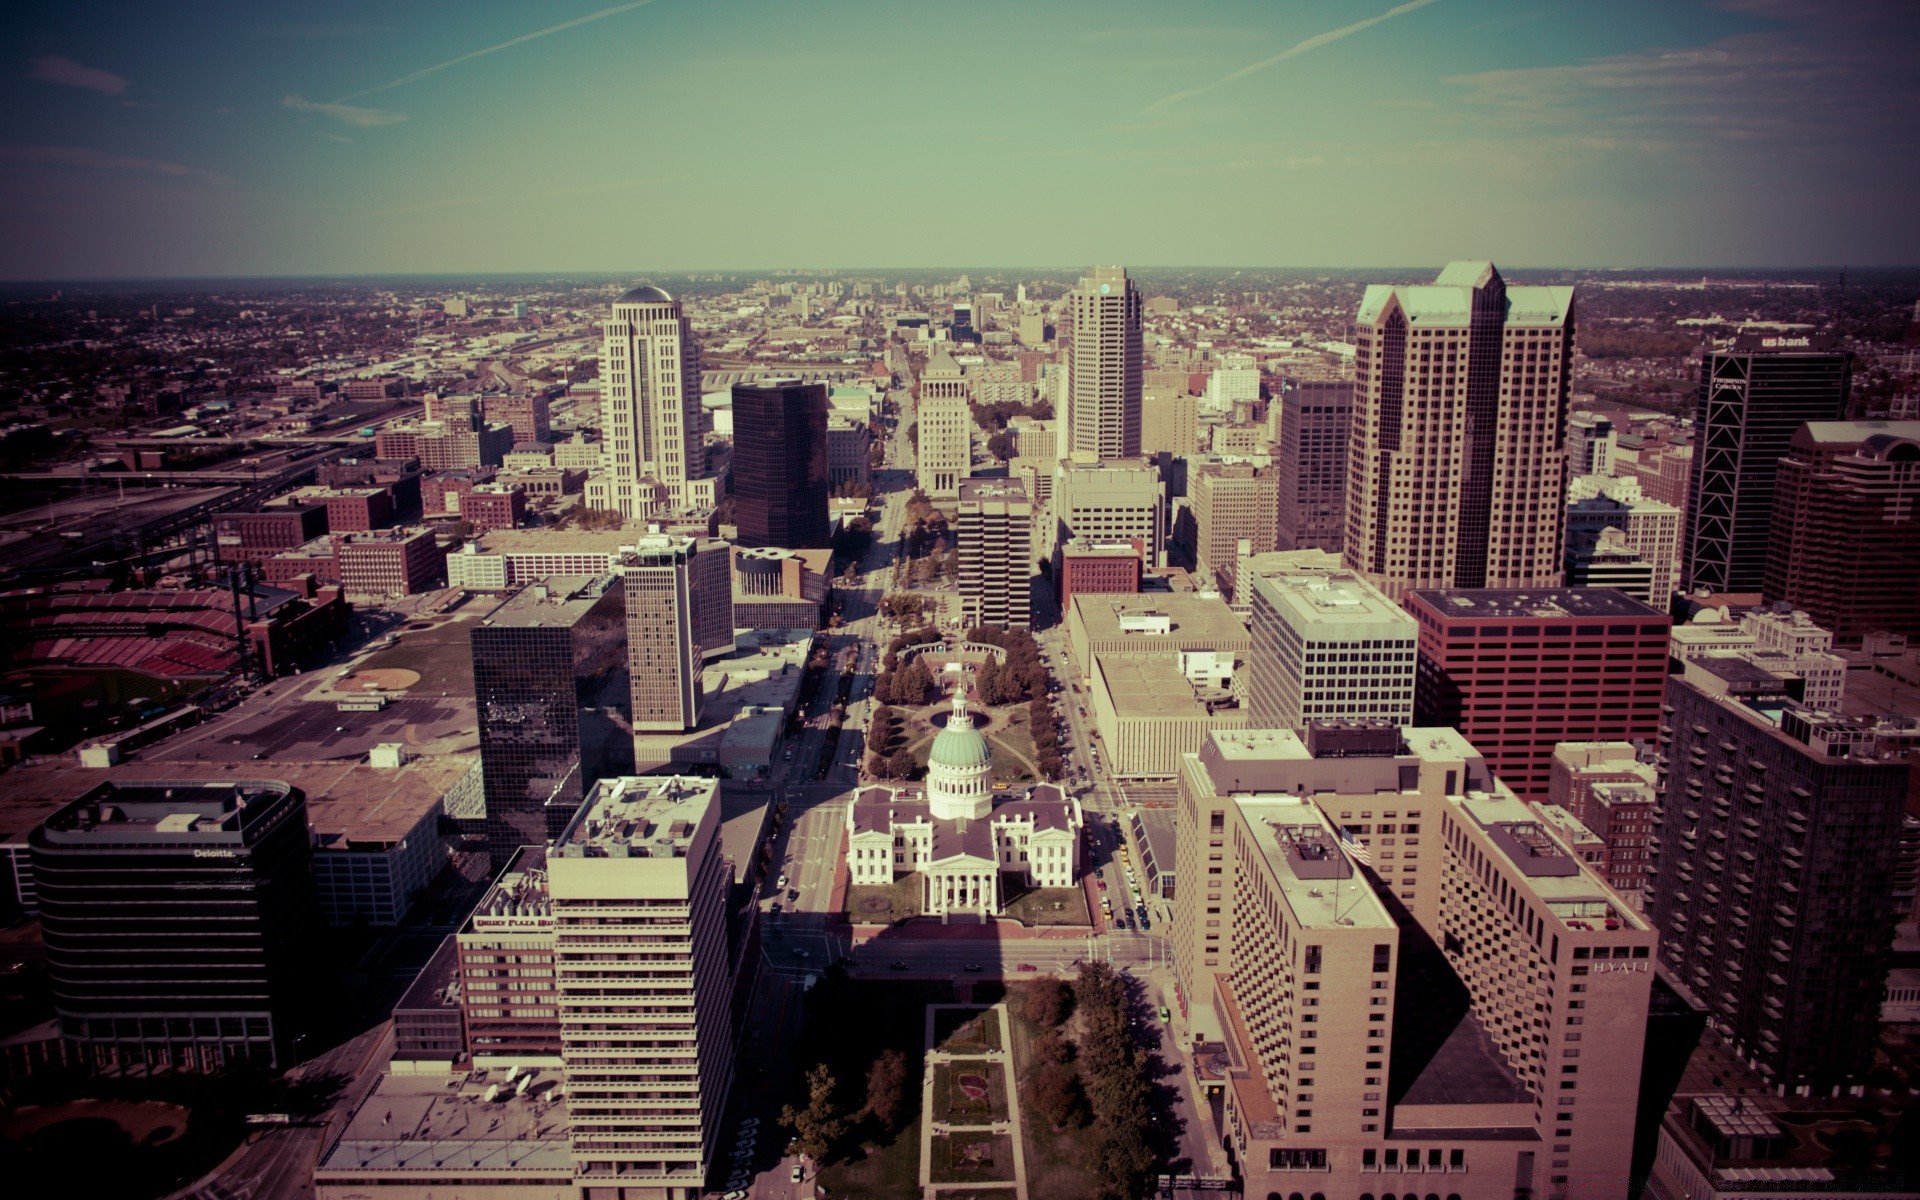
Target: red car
[1028, 967]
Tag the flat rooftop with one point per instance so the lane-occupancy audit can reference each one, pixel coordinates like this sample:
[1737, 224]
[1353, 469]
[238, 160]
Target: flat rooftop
[1148, 685]
[640, 816]
[552, 541]
[1323, 602]
[1571, 891]
[1304, 857]
[1005, 490]
[1196, 619]
[439, 1124]
[1537, 603]
[559, 600]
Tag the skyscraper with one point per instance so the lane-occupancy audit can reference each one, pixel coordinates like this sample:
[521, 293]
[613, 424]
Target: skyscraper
[650, 408]
[943, 452]
[1753, 397]
[549, 666]
[1315, 417]
[1327, 645]
[1456, 463]
[994, 520]
[1845, 540]
[663, 641]
[177, 918]
[1414, 986]
[1518, 672]
[1103, 367]
[1233, 502]
[638, 891]
[1774, 861]
[780, 470]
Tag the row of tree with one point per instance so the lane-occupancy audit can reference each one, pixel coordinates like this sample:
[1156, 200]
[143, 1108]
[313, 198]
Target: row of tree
[1115, 1074]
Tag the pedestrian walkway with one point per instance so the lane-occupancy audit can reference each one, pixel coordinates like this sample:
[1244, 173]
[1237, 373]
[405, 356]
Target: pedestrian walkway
[1008, 1128]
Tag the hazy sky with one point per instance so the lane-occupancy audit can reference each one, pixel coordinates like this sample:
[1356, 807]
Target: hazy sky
[574, 135]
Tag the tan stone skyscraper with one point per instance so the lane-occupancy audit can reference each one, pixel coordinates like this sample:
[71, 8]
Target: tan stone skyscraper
[654, 427]
[1103, 367]
[943, 455]
[1458, 466]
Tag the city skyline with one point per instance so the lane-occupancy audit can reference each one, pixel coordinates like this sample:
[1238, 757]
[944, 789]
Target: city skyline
[228, 141]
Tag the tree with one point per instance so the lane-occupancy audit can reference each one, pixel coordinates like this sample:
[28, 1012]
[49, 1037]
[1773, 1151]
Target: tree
[1047, 1002]
[1000, 445]
[821, 1123]
[1056, 1094]
[887, 1089]
[900, 764]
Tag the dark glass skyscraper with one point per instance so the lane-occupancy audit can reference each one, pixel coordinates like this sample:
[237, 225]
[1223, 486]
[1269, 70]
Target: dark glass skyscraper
[1315, 416]
[780, 464]
[1753, 397]
[178, 919]
[550, 681]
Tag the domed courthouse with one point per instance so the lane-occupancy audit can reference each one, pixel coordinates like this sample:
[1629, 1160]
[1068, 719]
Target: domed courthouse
[955, 836]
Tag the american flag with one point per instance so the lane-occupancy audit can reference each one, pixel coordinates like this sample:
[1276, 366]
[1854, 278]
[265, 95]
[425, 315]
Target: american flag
[1359, 851]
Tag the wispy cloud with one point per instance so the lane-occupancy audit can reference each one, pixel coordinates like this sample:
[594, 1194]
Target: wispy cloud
[336, 137]
[1294, 51]
[58, 68]
[422, 73]
[352, 114]
[1298, 162]
[90, 159]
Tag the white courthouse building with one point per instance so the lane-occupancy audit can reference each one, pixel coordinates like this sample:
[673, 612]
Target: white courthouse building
[959, 841]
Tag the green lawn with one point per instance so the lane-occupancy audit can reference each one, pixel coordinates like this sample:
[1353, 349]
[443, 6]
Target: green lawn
[974, 1158]
[890, 1172]
[965, 1030]
[884, 903]
[1055, 1166]
[1049, 906]
[954, 1104]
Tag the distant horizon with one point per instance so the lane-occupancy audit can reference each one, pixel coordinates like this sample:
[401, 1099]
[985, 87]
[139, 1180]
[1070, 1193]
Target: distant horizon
[1688, 269]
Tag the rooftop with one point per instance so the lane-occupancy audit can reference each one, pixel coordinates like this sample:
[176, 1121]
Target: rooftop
[439, 1125]
[1571, 892]
[1149, 685]
[979, 488]
[1322, 602]
[557, 601]
[1536, 603]
[1198, 620]
[639, 816]
[1305, 859]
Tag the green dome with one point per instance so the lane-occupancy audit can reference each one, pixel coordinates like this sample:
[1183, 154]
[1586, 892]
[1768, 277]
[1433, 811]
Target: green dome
[960, 745]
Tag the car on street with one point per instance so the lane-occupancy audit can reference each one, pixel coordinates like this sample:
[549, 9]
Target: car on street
[780, 882]
[973, 968]
[1028, 967]
[797, 1174]
[801, 952]
[896, 965]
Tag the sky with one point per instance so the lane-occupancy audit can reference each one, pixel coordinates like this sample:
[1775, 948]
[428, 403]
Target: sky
[216, 139]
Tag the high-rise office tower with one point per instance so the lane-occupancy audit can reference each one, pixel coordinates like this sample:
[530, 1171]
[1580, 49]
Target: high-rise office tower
[1456, 464]
[1649, 528]
[178, 918]
[654, 427]
[664, 654]
[943, 455]
[1233, 503]
[1416, 987]
[780, 471]
[1518, 672]
[1110, 502]
[549, 667]
[1327, 645]
[1844, 544]
[638, 890]
[1753, 397]
[1103, 367]
[994, 521]
[1315, 418]
[1773, 872]
[1590, 440]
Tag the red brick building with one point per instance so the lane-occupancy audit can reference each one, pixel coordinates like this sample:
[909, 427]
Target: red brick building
[253, 536]
[1612, 792]
[390, 562]
[528, 415]
[1087, 568]
[493, 506]
[315, 558]
[1519, 671]
[441, 491]
[349, 509]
